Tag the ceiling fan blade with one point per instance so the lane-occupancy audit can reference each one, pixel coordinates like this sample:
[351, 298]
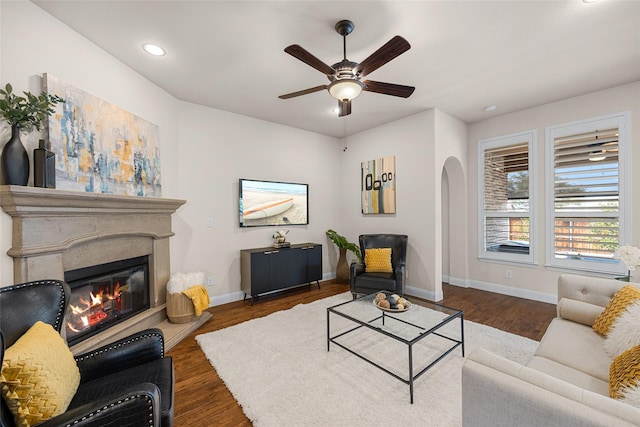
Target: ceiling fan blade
[300, 53]
[344, 108]
[303, 92]
[388, 88]
[390, 50]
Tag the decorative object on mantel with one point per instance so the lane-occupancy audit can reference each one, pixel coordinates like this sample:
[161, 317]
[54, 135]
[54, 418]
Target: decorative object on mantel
[379, 186]
[100, 147]
[342, 269]
[44, 167]
[630, 255]
[24, 113]
[280, 239]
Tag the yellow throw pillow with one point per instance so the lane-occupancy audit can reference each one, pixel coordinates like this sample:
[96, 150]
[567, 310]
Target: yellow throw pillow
[40, 376]
[618, 304]
[624, 374]
[378, 260]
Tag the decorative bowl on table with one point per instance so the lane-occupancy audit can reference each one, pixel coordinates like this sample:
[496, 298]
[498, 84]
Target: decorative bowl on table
[391, 303]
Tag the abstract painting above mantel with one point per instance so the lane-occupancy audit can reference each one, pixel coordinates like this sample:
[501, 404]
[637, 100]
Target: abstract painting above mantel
[101, 148]
[378, 181]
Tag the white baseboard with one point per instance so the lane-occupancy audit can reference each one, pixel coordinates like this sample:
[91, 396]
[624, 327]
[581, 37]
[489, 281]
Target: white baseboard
[223, 299]
[422, 293]
[504, 290]
[239, 295]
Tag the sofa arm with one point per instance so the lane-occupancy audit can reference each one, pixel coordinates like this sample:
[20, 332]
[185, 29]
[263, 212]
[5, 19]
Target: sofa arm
[500, 392]
[134, 350]
[139, 406]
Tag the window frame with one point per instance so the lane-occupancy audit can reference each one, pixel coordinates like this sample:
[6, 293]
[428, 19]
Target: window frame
[529, 137]
[622, 121]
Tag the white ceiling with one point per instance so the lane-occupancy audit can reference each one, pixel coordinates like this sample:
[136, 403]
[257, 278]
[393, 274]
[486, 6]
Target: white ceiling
[465, 55]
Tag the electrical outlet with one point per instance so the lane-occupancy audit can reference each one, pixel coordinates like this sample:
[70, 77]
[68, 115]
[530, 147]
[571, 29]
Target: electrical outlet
[209, 280]
[209, 222]
[508, 274]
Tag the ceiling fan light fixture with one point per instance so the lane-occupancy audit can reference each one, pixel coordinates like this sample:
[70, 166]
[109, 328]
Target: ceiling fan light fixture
[598, 156]
[345, 89]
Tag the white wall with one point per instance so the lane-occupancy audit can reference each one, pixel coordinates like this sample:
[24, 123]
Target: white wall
[33, 43]
[538, 282]
[203, 151]
[422, 143]
[216, 149]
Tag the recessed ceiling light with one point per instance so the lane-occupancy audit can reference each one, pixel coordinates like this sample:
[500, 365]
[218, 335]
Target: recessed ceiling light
[489, 108]
[154, 49]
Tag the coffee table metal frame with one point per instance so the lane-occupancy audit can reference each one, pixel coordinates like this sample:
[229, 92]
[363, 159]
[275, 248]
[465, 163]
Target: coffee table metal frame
[395, 316]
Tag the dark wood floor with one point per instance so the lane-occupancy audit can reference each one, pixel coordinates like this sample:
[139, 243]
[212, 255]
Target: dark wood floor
[202, 399]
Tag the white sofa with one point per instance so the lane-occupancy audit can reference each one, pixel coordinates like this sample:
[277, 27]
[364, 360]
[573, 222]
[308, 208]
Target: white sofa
[566, 383]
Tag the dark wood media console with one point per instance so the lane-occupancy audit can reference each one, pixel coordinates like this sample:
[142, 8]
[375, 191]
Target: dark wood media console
[267, 270]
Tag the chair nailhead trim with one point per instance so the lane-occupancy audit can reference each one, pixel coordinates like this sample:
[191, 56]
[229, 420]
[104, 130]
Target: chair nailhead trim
[60, 314]
[111, 405]
[118, 345]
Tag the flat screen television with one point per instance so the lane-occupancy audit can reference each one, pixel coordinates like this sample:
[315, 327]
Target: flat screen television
[272, 203]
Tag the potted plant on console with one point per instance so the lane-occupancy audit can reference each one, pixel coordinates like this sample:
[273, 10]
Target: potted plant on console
[342, 269]
[22, 113]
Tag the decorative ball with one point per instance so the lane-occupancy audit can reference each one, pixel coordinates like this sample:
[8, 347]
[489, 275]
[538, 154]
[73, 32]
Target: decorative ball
[400, 306]
[384, 304]
[402, 301]
[380, 296]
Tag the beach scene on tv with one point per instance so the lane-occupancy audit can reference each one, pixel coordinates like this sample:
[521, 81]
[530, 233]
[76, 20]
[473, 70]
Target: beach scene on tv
[272, 203]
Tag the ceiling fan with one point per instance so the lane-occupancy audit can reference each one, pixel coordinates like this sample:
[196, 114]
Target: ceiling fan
[346, 76]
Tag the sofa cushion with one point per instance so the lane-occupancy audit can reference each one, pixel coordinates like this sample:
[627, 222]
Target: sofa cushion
[570, 375]
[579, 311]
[40, 375]
[625, 296]
[577, 346]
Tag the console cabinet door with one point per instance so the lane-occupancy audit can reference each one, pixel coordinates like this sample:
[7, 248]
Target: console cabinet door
[261, 272]
[314, 263]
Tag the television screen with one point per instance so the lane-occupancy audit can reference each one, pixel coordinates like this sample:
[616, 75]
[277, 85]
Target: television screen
[264, 203]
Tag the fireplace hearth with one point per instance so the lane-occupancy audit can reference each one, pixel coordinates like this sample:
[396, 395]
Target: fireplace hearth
[105, 295]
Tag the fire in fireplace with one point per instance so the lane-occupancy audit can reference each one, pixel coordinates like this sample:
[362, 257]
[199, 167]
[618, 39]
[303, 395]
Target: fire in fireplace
[104, 295]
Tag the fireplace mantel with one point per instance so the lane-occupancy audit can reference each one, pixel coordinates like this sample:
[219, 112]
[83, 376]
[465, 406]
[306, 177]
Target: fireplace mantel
[54, 231]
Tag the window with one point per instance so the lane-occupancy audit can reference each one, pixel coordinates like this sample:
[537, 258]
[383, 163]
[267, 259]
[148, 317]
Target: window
[505, 166]
[587, 195]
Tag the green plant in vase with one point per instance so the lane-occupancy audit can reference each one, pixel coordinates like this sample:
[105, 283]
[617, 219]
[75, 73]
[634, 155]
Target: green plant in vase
[342, 269]
[22, 113]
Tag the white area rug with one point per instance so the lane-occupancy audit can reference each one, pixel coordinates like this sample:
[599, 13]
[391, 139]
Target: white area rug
[280, 372]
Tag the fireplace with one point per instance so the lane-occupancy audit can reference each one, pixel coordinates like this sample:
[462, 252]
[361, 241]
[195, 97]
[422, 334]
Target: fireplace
[105, 295]
[55, 232]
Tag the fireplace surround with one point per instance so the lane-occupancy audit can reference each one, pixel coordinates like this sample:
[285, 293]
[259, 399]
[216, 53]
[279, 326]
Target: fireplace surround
[56, 231]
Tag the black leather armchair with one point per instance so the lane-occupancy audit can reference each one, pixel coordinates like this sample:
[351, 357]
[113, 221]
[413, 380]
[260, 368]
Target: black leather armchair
[126, 383]
[366, 283]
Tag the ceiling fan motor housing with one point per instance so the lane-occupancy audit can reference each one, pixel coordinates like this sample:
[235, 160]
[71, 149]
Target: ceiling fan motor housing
[344, 27]
[344, 70]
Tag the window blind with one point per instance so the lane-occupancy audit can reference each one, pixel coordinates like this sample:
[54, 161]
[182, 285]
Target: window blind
[586, 194]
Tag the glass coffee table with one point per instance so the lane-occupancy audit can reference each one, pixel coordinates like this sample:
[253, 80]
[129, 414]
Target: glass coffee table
[422, 320]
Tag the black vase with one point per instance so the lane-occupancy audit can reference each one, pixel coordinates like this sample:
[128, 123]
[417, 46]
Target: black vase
[14, 161]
